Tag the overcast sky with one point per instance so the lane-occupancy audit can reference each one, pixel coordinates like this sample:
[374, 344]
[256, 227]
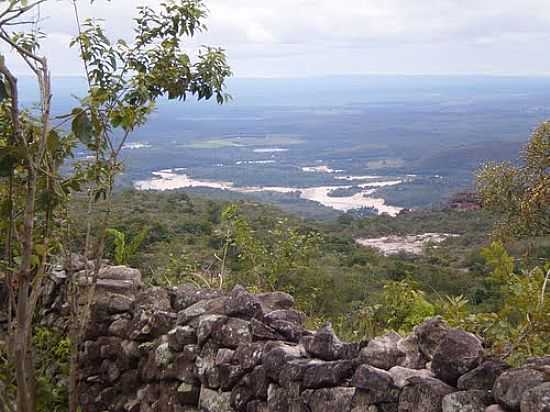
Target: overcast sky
[296, 38]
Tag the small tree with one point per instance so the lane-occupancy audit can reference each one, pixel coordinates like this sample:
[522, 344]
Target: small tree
[124, 83]
[521, 194]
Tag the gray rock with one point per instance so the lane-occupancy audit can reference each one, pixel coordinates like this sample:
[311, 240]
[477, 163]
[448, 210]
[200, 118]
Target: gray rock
[185, 369]
[429, 334]
[376, 384]
[188, 294]
[483, 377]
[109, 347]
[203, 307]
[293, 370]
[276, 355]
[261, 331]
[537, 362]
[130, 349]
[120, 273]
[224, 356]
[414, 358]
[257, 406]
[289, 331]
[536, 399]
[275, 300]
[208, 325]
[326, 374]
[229, 375]
[258, 382]
[510, 386]
[324, 344]
[401, 375]
[205, 365]
[423, 394]
[188, 394]
[382, 352]
[233, 333]
[249, 355]
[253, 385]
[214, 401]
[241, 395]
[111, 303]
[243, 304]
[190, 352]
[277, 399]
[494, 408]
[289, 315]
[181, 336]
[119, 328]
[154, 298]
[467, 401]
[458, 352]
[150, 324]
[329, 399]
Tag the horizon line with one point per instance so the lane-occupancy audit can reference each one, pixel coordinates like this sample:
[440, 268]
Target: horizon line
[355, 75]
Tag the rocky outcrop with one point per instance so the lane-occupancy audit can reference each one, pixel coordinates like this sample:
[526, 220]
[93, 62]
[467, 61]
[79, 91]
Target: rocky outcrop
[191, 349]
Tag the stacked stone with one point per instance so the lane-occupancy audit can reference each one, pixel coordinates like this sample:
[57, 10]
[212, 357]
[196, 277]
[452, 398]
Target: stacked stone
[190, 349]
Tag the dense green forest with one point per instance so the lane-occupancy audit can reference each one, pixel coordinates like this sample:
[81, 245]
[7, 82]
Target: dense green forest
[334, 276]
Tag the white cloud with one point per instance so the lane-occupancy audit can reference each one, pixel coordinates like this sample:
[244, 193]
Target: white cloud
[316, 37]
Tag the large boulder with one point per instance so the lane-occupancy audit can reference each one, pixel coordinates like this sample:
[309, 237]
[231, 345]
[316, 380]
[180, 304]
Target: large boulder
[324, 344]
[294, 370]
[181, 336]
[275, 300]
[483, 377]
[414, 358]
[382, 352]
[458, 353]
[289, 315]
[249, 355]
[209, 325]
[290, 331]
[510, 386]
[467, 401]
[189, 294]
[423, 394]
[214, 401]
[429, 334]
[329, 399]
[277, 399]
[536, 399]
[154, 298]
[188, 394]
[327, 374]
[205, 365]
[115, 279]
[376, 385]
[277, 354]
[401, 375]
[243, 304]
[149, 324]
[262, 331]
[203, 307]
[233, 333]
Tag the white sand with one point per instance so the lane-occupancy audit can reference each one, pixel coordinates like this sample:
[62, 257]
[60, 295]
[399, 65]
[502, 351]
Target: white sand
[170, 180]
[413, 244]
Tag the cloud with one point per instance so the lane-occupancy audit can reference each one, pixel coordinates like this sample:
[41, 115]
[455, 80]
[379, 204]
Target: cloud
[318, 37]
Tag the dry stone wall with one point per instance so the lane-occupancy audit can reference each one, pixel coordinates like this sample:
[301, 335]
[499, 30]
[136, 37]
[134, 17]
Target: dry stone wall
[191, 349]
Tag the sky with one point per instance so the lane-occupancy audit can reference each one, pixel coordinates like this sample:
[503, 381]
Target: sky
[305, 38]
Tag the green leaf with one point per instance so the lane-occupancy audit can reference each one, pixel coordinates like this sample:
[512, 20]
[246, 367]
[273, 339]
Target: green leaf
[82, 127]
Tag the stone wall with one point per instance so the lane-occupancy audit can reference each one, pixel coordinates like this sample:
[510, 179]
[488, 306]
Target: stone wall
[190, 349]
